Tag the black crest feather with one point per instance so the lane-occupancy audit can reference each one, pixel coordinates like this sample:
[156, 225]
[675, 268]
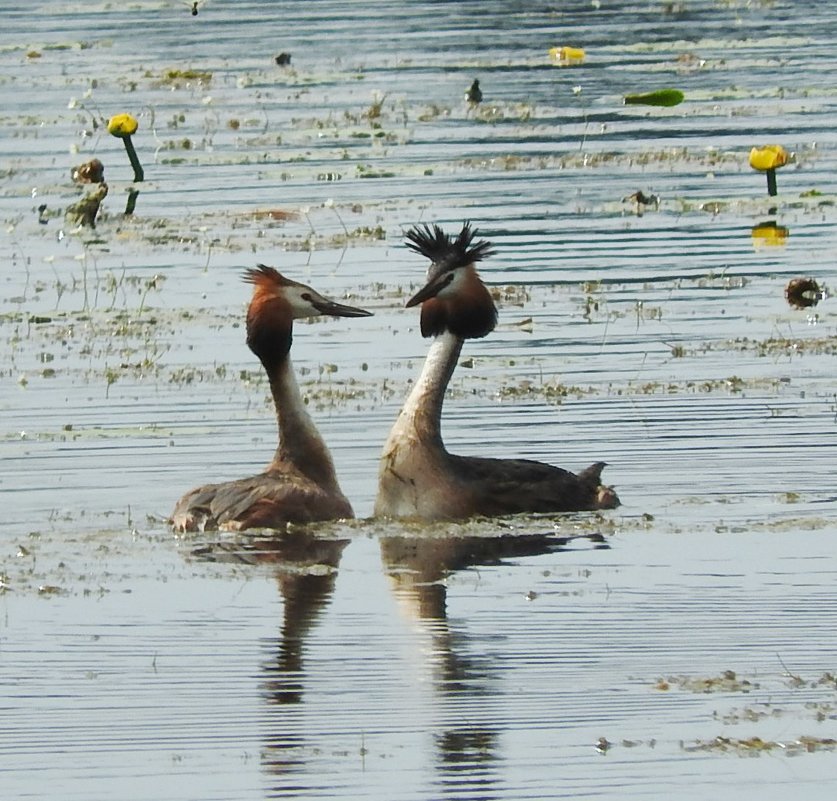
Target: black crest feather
[445, 251]
[469, 313]
[264, 276]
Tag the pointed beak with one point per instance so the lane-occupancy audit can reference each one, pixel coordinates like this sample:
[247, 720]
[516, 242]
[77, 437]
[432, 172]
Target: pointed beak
[325, 306]
[429, 290]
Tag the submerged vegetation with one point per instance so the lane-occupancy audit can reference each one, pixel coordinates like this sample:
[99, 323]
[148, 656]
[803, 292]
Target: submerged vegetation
[727, 682]
[755, 746]
[180, 78]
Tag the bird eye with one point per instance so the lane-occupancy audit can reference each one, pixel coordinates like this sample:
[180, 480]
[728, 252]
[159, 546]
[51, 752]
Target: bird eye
[306, 296]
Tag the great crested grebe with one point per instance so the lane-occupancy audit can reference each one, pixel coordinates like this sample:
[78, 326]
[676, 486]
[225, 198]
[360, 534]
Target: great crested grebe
[417, 476]
[300, 484]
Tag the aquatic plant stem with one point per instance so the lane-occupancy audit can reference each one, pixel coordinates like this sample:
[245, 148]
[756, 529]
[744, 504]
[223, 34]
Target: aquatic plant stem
[133, 194]
[139, 174]
[122, 126]
[771, 182]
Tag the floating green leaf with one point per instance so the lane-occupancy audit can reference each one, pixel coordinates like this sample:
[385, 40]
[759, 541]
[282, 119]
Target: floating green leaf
[662, 97]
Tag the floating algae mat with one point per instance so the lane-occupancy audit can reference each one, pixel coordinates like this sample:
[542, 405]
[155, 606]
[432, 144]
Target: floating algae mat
[644, 280]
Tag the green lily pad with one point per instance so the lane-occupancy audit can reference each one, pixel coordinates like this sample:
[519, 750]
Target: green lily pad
[662, 97]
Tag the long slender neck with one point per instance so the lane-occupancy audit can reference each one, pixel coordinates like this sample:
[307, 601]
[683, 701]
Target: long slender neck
[300, 444]
[423, 408]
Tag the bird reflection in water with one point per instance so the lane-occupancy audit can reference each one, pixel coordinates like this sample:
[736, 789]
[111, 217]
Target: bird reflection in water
[418, 567]
[306, 572]
[305, 567]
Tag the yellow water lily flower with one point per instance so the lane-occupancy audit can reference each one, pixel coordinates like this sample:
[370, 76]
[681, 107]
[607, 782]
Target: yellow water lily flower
[768, 157]
[567, 55]
[122, 125]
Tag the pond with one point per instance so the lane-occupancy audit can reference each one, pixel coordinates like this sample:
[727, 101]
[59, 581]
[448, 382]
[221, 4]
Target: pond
[680, 645]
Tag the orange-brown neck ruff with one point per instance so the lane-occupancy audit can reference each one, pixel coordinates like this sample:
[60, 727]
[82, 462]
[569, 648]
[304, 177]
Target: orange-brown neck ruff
[269, 329]
[269, 317]
[470, 314]
[453, 299]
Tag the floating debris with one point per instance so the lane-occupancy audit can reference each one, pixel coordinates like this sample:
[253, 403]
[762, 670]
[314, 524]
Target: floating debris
[756, 746]
[84, 212]
[91, 172]
[642, 200]
[803, 292]
[283, 60]
[184, 78]
[728, 681]
[281, 215]
[50, 589]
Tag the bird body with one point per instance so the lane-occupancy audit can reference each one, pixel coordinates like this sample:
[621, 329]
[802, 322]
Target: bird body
[300, 484]
[417, 476]
[474, 94]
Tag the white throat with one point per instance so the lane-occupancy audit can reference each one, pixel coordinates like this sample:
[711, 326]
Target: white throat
[422, 410]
